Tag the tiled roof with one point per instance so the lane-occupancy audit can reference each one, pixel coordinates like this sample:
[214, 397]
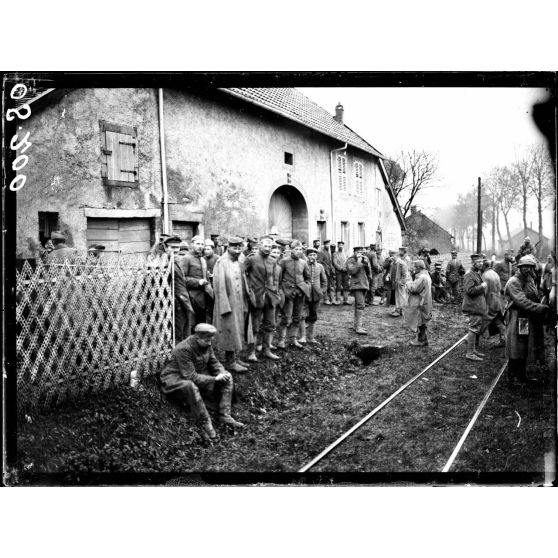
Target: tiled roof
[292, 104]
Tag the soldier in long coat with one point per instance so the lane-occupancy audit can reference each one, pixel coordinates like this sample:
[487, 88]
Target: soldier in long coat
[388, 267]
[419, 310]
[358, 267]
[324, 258]
[194, 267]
[494, 321]
[194, 377]
[374, 271]
[231, 304]
[263, 282]
[524, 318]
[401, 278]
[318, 286]
[295, 283]
[454, 272]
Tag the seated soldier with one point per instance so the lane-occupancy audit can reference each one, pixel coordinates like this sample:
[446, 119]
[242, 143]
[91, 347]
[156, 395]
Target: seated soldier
[194, 377]
[439, 290]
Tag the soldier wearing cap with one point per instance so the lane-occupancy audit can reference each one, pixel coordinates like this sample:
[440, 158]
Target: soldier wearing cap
[94, 251]
[251, 247]
[419, 310]
[184, 248]
[358, 268]
[505, 269]
[231, 304]
[159, 248]
[524, 318]
[183, 310]
[194, 267]
[400, 281]
[295, 284]
[195, 378]
[474, 306]
[210, 256]
[318, 286]
[324, 258]
[61, 251]
[217, 248]
[263, 275]
[454, 273]
[389, 278]
[374, 271]
[339, 261]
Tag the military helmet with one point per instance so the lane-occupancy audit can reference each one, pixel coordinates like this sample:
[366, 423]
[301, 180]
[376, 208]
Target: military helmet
[527, 260]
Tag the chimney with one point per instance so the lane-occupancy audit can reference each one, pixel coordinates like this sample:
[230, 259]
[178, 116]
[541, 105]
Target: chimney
[413, 209]
[339, 113]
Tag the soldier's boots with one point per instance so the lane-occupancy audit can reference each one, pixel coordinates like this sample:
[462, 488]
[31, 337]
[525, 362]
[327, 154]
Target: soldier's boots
[327, 302]
[282, 338]
[471, 342]
[346, 298]
[302, 332]
[476, 349]
[358, 323]
[232, 365]
[267, 347]
[310, 333]
[295, 343]
[252, 353]
[259, 342]
[206, 429]
[229, 421]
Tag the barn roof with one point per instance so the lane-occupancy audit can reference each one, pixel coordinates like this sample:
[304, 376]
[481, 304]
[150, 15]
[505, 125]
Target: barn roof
[294, 105]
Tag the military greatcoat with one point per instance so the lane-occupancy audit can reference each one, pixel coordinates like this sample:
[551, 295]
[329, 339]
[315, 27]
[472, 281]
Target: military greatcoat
[419, 309]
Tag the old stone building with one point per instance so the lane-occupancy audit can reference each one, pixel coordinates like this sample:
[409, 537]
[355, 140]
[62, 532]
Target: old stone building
[423, 232]
[120, 166]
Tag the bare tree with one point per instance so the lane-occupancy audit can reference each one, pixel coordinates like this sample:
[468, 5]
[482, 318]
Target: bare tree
[507, 191]
[541, 183]
[410, 173]
[523, 167]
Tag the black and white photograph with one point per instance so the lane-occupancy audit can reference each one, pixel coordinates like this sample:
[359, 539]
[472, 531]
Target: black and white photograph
[312, 278]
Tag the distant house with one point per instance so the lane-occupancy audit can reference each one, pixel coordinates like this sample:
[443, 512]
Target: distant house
[518, 237]
[121, 166]
[424, 232]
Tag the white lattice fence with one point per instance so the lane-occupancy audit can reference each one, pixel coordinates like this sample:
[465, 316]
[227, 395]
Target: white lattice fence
[84, 325]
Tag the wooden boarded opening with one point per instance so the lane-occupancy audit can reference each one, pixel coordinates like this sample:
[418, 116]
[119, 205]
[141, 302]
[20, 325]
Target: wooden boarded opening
[129, 236]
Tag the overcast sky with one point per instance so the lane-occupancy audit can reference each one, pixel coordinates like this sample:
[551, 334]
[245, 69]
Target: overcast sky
[471, 129]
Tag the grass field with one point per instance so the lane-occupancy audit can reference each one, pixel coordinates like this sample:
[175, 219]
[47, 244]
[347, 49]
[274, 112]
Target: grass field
[296, 407]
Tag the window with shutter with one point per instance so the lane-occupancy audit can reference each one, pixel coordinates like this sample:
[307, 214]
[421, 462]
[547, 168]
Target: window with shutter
[359, 178]
[119, 155]
[342, 173]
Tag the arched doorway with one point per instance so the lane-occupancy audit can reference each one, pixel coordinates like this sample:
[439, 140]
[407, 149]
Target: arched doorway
[288, 213]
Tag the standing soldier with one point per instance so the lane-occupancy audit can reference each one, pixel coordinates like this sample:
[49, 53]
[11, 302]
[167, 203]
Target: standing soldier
[525, 316]
[358, 268]
[194, 267]
[263, 283]
[380, 288]
[494, 308]
[374, 271]
[295, 283]
[318, 286]
[324, 258]
[182, 305]
[159, 248]
[217, 248]
[454, 272]
[505, 269]
[419, 311]
[194, 377]
[341, 274]
[389, 278]
[474, 306]
[525, 249]
[231, 304]
[401, 278]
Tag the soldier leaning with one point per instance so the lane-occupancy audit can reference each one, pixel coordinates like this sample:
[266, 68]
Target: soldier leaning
[358, 268]
[454, 272]
[318, 286]
[194, 377]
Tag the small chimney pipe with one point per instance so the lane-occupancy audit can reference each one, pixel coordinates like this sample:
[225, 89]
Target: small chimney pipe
[339, 113]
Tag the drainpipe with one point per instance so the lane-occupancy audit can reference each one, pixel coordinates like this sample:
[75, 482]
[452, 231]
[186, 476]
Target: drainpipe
[331, 186]
[163, 164]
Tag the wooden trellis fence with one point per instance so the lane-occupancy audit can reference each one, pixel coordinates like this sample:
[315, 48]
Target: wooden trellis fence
[85, 324]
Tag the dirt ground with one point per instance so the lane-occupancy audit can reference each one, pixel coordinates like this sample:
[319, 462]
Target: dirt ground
[296, 407]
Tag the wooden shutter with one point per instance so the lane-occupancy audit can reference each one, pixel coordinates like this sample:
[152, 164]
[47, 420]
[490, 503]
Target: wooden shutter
[342, 172]
[119, 155]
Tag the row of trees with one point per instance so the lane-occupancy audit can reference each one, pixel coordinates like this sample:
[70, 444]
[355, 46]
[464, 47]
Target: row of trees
[529, 179]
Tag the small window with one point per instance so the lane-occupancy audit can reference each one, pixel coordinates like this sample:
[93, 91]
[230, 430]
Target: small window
[359, 178]
[342, 173]
[288, 158]
[119, 155]
[361, 236]
[345, 234]
[48, 222]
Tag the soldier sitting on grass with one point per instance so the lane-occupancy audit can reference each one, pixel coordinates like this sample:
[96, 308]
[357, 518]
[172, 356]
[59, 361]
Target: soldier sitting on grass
[194, 377]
